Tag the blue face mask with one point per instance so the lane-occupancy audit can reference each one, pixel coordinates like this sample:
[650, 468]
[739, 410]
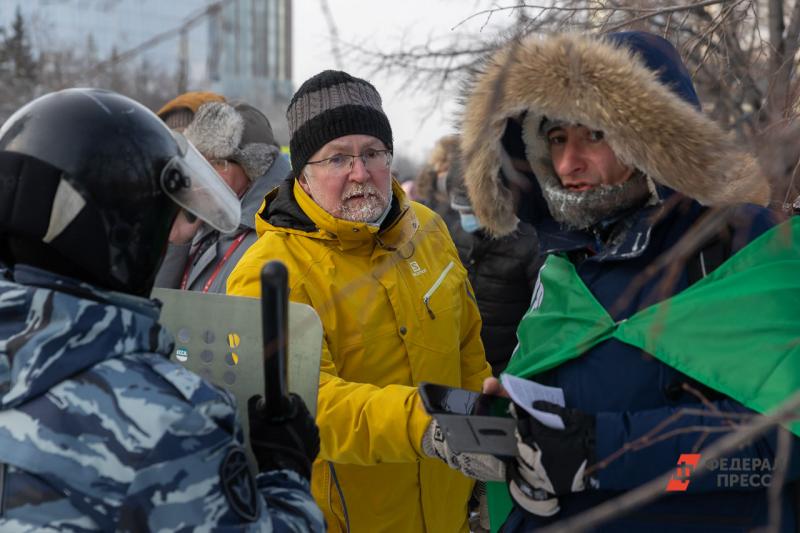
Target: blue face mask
[381, 218]
[469, 222]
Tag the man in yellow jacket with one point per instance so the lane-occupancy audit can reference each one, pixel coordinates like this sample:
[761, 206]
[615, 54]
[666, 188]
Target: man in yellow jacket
[396, 307]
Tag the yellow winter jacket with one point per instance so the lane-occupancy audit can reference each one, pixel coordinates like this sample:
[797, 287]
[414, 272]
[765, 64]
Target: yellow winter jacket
[397, 309]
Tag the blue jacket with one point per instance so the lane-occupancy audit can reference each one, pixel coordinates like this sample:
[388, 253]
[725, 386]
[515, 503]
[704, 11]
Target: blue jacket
[100, 431]
[631, 393]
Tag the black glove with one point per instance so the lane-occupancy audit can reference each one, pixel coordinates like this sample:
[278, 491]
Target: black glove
[291, 442]
[555, 460]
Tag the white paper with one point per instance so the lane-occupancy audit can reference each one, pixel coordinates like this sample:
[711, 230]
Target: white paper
[524, 392]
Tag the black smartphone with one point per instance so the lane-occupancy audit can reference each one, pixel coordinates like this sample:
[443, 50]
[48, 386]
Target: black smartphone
[440, 399]
[472, 422]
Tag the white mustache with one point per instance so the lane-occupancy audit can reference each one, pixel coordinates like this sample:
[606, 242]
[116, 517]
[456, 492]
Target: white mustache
[361, 190]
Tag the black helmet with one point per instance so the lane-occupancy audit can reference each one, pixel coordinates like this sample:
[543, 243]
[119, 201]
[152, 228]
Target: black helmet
[90, 183]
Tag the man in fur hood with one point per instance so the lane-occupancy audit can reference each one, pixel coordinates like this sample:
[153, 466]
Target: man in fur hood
[237, 139]
[602, 141]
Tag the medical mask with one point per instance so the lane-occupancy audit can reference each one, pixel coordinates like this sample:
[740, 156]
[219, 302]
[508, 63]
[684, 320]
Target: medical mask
[469, 222]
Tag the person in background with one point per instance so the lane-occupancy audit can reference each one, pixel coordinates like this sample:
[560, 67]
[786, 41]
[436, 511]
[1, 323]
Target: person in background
[179, 112]
[502, 271]
[237, 140]
[408, 187]
[430, 185]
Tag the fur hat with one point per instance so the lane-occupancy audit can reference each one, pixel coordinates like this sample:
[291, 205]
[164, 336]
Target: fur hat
[178, 112]
[234, 131]
[604, 85]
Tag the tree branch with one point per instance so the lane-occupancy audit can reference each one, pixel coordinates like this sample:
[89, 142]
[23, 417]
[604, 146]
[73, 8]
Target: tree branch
[652, 490]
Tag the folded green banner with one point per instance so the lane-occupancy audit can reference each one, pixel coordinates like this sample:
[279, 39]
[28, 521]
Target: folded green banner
[737, 330]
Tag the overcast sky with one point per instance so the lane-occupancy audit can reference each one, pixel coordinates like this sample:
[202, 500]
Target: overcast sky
[383, 24]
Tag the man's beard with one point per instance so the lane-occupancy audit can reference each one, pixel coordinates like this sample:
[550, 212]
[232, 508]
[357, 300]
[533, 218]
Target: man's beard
[367, 209]
[584, 209]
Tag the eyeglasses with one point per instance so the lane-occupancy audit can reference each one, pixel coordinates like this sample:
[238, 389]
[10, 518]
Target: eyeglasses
[339, 164]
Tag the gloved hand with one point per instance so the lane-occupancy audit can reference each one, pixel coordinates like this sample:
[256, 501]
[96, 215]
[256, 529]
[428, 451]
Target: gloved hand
[551, 462]
[288, 443]
[535, 501]
[482, 467]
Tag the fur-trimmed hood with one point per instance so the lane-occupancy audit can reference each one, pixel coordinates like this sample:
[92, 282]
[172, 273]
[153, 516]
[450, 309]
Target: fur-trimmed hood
[604, 86]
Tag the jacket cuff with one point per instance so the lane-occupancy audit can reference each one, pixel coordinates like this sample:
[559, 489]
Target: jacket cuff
[417, 424]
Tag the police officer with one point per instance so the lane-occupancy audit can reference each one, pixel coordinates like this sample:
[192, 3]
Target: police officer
[98, 429]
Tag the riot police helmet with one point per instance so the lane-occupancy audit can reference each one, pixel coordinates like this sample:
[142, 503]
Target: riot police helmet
[90, 184]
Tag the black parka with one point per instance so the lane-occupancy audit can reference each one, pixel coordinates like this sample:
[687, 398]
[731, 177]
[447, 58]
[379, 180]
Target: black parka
[502, 273]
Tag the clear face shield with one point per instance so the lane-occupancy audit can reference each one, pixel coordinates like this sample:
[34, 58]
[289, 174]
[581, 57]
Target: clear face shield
[192, 183]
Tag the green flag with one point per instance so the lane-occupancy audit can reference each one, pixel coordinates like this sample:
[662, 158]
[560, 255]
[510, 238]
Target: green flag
[737, 330]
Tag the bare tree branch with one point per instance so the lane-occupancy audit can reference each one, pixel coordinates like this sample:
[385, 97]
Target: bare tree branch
[650, 491]
[334, 32]
[662, 11]
[650, 12]
[775, 490]
[657, 434]
[748, 82]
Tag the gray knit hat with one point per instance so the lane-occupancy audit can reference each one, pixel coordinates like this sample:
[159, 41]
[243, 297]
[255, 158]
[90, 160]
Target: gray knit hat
[330, 105]
[235, 131]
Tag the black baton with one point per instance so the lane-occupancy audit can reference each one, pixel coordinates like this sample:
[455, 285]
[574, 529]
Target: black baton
[275, 328]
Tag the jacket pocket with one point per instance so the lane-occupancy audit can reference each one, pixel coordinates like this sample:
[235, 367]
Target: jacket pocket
[426, 299]
[440, 311]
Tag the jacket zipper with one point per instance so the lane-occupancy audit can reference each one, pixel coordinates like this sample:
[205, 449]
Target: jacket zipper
[439, 280]
[335, 479]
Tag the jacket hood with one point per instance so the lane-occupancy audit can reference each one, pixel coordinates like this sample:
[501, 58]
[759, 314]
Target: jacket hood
[632, 86]
[52, 328]
[253, 198]
[288, 208]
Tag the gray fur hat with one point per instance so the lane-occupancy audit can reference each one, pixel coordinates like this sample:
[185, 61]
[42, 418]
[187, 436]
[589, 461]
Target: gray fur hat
[235, 131]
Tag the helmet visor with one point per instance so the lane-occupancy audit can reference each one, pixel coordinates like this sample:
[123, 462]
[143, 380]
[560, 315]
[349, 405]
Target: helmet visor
[192, 183]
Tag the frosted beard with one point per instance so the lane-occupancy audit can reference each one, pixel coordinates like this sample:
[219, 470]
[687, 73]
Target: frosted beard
[369, 208]
[583, 209]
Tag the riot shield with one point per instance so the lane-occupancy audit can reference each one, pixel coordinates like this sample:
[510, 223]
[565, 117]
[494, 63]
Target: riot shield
[219, 337]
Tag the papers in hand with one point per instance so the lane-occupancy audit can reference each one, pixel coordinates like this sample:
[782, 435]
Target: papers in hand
[524, 392]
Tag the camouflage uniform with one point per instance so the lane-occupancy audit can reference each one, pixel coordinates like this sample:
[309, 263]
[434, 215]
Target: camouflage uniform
[99, 430]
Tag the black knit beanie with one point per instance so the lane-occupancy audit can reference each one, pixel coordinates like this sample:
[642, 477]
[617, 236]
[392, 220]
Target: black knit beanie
[330, 105]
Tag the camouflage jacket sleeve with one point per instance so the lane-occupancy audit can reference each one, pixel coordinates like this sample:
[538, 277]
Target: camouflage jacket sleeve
[287, 490]
[197, 474]
[190, 485]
